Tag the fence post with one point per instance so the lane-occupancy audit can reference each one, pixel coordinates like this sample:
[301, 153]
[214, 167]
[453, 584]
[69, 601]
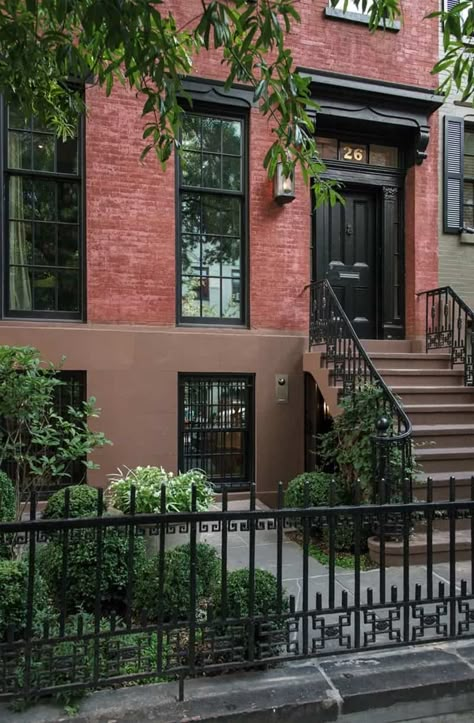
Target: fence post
[381, 454]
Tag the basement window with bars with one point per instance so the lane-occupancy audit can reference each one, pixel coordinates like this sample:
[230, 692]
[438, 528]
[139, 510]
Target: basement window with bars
[216, 427]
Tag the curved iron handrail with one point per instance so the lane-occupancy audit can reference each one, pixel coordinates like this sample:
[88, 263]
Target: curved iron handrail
[449, 324]
[330, 326]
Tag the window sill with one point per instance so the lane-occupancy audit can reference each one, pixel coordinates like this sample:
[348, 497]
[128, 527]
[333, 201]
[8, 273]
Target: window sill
[466, 239]
[335, 14]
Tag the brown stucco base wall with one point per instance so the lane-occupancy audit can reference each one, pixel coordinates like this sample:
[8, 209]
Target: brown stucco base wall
[133, 373]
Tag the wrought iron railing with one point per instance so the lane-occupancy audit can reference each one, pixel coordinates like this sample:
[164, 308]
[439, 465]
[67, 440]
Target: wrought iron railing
[82, 608]
[352, 368]
[449, 324]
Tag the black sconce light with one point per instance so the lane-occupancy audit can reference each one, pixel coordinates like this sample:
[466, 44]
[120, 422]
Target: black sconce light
[283, 186]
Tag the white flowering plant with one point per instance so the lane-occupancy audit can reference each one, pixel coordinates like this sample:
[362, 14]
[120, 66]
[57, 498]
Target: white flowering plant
[148, 482]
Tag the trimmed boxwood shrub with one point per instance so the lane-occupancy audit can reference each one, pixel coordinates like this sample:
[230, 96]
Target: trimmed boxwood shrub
[83, 502]
[176, 591]
[269, 636]
[80, 584]
[318, 490]
[265, 596]
[13, 597]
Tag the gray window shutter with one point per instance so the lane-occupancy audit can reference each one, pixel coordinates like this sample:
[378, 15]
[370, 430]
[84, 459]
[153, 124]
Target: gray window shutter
[453, 174]
[450, 4]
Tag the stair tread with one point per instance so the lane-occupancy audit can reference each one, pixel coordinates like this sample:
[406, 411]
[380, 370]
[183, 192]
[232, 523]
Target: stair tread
[436, 407]
[425, 372]
[445, 452]
[433, 388]
[443, 428]
[408, 355]
[444, 477]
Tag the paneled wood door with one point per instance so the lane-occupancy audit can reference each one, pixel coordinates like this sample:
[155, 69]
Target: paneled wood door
[344, 252]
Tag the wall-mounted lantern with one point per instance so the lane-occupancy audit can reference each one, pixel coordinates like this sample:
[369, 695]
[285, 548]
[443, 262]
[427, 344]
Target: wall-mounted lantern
[283, 186]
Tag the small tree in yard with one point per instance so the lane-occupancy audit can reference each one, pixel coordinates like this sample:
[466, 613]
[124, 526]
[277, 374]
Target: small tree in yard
[35, 440]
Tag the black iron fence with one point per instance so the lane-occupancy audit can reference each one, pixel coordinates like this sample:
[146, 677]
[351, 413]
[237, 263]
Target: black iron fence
[102, 601]
[352, 369]
[449, 324]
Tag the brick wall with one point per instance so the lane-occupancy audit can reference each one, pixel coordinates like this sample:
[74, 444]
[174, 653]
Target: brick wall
[130, 207]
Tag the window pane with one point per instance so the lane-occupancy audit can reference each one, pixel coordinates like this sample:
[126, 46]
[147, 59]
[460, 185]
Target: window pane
[191, 133]
[191, 165]
[68, 245]
[190, 213]
[190, 252]
[16, 119]
[190, 300]
[232, 137]
[383, 156]
[67, 156]
[44, 288]
[211, 170]
[231, 173]
[21, 292]
[230, 307]
[68, 202]
[43, 152]
[45, 244]
[20, 243]
[468, 216]
[469, 143]
[20, 194]
[469, 194]
[327, 148]
[221, 215]
[19, 150]
[45, 200]
[469, 166]
[211, 134]
[68, 291]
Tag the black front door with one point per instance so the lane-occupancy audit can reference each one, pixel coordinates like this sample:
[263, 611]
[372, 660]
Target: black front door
[345, 253]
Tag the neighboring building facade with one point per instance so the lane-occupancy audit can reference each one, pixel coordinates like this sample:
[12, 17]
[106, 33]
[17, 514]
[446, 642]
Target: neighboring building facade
[456, 174]
[182, 294]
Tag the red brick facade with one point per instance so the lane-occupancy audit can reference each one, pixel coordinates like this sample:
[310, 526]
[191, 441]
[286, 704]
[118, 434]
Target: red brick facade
[130, 207]
[130, 347]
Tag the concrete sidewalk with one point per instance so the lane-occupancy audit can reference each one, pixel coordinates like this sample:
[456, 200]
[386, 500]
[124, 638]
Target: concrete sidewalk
[418, 684]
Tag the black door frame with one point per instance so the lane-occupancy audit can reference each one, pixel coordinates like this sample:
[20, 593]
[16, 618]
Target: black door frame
[387, 187]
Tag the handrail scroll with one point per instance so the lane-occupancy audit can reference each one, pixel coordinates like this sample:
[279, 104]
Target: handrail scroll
[352, 367]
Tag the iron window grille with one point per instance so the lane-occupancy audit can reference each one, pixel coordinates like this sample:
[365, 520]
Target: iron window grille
[43, 255]
[212, 182]
[216, 427]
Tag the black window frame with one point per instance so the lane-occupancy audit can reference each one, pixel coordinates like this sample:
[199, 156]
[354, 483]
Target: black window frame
[352, 16]
[230, 112]
[467, 179]
[43, 315]
[220, 483]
